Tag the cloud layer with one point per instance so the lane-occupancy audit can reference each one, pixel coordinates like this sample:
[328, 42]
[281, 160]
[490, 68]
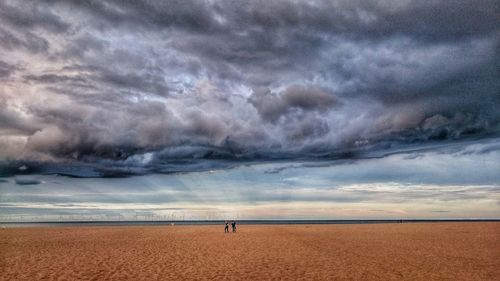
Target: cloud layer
[459, 184]
[126, 87]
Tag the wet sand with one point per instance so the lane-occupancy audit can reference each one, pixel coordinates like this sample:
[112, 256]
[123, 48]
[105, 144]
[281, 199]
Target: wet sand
[416, 251]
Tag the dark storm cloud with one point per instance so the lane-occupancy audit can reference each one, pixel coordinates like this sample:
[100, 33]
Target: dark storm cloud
[12, 123]
[429, 20]
[52, 78]
[27, 181]
[6, 69]
[129, 87]
[28, 41]
[30, 15]
[272, 106]
[191, 14]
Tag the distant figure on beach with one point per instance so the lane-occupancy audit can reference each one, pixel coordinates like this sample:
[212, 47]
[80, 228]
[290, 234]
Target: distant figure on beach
[233, 225]
[226, 228]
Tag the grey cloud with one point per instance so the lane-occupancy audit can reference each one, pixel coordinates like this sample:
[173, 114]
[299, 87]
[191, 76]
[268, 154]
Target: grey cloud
[28, 41]
[429, 20]
[374, 18]
[83, 45]
[27, 181]
[272, 106]
[146, 83]
[192, 15]
[52, 78]
[103, 83]
[31, 15]
[6, 69]
[138, 127]
[12, 123]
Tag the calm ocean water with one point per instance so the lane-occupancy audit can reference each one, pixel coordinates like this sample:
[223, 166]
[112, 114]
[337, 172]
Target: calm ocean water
[221, 222]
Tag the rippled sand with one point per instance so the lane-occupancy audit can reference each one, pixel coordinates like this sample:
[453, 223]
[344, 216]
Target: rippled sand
[420, 251]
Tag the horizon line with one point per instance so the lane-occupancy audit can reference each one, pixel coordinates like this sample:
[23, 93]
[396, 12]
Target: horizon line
[251, 221]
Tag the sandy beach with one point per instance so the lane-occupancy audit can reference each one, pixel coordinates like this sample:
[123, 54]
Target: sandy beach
[417, 251]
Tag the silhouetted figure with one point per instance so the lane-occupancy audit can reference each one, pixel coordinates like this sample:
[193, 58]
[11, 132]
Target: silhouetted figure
[226, 228]
[233, 225]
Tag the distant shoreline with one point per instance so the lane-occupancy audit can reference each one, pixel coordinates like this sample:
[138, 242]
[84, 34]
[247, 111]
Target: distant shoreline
[220, 222]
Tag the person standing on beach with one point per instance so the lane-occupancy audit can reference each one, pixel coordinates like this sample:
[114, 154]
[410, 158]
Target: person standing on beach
[233, 225]
[226, 228]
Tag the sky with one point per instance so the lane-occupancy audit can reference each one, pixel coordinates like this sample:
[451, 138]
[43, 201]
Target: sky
[249, 109]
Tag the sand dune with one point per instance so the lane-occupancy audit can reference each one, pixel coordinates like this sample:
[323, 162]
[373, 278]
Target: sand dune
[420, 251]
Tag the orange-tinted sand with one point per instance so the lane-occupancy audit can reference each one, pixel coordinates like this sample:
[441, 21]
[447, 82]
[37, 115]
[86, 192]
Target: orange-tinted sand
[420, 251]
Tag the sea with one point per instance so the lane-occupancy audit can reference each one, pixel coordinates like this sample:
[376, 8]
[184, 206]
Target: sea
[221, 222]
